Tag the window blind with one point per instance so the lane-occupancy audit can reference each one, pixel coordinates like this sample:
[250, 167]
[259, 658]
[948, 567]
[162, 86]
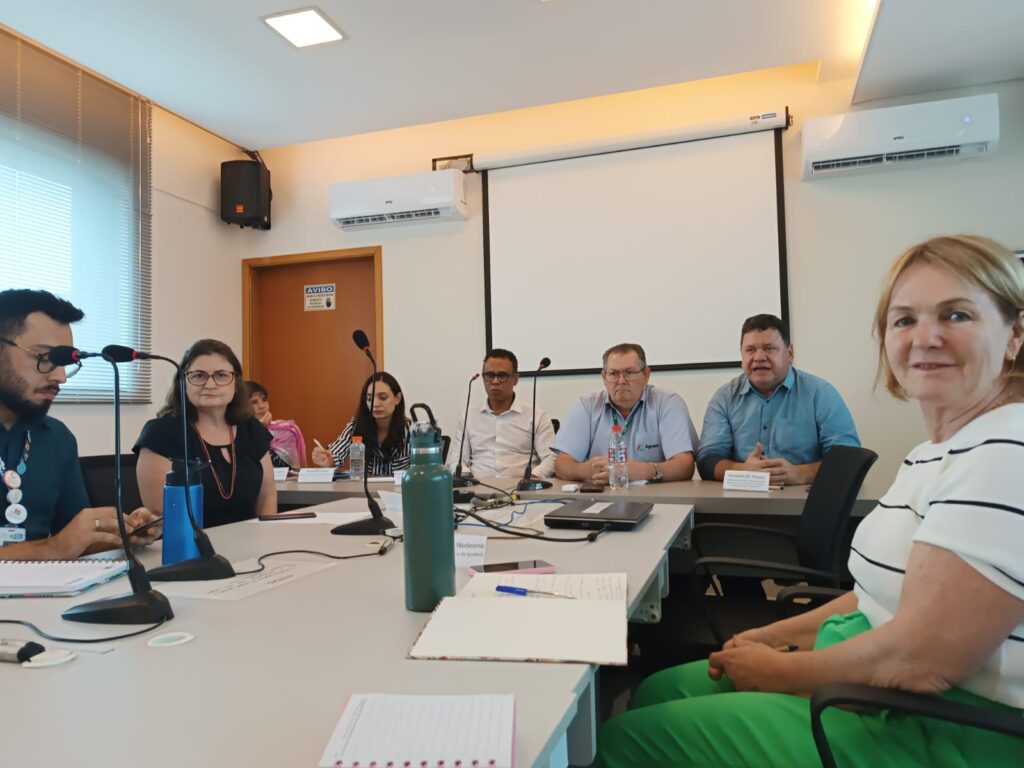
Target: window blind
[75, 214]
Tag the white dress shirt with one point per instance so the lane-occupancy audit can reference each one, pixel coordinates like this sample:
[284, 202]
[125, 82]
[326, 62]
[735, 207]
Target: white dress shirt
[498, 444]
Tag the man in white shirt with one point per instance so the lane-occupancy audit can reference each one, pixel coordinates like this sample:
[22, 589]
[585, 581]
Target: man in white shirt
[498, 432]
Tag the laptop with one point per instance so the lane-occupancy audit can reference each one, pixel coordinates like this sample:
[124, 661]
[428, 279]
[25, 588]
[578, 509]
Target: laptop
[596, 514]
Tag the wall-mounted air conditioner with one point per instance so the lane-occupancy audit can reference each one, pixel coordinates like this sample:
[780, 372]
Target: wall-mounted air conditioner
[431, 196]
[892, 137]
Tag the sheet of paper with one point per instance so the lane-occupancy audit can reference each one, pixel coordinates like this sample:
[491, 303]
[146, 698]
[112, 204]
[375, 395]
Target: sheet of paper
[594, 509]
[316, 475]
[280, 474]
[525, 629]
[470, 550]
[322, 518]
[582, 586]
[393, 729]
[276, 573]
[388, 479]
[736, 480]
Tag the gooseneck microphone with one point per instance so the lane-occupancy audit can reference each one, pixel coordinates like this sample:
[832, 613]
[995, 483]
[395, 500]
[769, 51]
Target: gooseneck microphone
[376, 524]
[458, 479]
[144, 605]
[209, 565]
[529, 483]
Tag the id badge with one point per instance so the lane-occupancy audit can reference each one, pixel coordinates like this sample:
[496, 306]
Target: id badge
[11, 534]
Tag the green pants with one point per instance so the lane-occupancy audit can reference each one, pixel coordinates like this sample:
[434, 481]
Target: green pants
[680, 717]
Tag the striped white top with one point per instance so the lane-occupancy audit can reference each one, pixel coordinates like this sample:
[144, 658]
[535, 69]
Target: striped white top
[965, 495]
[378, 464]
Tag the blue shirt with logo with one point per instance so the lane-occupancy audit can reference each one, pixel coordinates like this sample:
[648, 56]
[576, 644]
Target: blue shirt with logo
[800, 421]
[657, 428]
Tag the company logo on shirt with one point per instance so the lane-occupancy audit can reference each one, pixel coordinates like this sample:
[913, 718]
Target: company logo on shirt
[647, 446]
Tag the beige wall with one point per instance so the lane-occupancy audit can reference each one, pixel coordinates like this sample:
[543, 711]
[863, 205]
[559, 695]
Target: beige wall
[196, 283]
[842, 233]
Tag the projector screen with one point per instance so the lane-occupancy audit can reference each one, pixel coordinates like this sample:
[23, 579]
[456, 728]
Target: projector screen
[671, 247]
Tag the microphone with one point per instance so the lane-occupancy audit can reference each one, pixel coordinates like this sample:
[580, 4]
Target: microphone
[376, 524]
[143, 605]
[209, 565]
[65, 355]
[458, 480]
[528, 483]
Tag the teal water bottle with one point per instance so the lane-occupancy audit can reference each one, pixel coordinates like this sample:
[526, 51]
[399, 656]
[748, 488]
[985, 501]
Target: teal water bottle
[428, 519]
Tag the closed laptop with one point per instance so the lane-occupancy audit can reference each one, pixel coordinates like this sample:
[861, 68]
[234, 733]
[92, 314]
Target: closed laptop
[593, 514]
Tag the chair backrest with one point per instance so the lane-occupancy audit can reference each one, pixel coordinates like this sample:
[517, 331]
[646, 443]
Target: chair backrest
[555, 424]
[823, 523]
[98, 474]
[446, 444]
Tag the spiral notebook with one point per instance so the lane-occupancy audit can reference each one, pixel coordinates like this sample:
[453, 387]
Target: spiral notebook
[410, 731]
[55, 578]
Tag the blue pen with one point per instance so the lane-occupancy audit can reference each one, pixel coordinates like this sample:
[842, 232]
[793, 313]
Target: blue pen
[523, 592]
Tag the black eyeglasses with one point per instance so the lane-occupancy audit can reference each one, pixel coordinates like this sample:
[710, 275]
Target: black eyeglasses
[220, 378]
[43, 362]
[500, 377]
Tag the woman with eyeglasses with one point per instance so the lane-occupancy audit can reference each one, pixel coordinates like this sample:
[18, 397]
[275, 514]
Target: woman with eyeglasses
[238, 484]
[385, 431]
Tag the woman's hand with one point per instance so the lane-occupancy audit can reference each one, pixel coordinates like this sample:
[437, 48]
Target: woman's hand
[139, 518]
[322, 457]
[754, 666]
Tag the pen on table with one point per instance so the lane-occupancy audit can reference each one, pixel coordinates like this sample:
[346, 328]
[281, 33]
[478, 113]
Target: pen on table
[523, 592]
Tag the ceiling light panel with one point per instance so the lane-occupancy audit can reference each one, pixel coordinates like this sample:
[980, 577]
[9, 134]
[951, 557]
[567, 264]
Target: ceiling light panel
[304, 27]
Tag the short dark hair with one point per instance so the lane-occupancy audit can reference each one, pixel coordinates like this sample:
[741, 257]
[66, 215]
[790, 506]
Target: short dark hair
[255, 388]
[16, 304]
[504, 354]
[765, 323]
[238, 409]
[624, 349]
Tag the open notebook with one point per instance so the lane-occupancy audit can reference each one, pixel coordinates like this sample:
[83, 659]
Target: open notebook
[55, 578]
[406, 730]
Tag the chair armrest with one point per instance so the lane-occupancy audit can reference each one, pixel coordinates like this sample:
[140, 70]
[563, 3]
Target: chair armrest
[846, 694]
[709, 565]
[817, 595]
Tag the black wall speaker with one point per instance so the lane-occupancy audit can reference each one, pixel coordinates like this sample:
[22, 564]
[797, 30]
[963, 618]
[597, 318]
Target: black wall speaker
[245, 193]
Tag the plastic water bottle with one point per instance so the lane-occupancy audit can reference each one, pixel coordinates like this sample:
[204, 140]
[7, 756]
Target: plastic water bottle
[427, 520]
[618, 476]
[179, 539]
[356, 458]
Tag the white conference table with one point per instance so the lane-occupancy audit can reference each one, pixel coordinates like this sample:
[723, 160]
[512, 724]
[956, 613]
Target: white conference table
[265, 680]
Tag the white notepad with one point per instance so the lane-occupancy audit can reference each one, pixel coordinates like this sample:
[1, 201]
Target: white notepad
[55, 578]
[406, 730]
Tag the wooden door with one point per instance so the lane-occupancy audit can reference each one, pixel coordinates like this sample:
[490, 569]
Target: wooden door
[306, 357]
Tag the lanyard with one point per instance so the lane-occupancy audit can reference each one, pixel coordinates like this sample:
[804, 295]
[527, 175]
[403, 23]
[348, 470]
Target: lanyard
[23, 464]
[15, 513]
[629, 419]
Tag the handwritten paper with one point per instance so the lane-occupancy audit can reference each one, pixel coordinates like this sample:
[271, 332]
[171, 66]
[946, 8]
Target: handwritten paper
[582, 586]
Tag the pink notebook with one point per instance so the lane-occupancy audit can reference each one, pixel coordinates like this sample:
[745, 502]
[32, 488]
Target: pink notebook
[381, 730]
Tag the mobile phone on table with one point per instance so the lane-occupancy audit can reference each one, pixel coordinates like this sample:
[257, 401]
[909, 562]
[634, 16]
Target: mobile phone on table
[587, 488]
[145, 527]
[287, 516]
[521, 566]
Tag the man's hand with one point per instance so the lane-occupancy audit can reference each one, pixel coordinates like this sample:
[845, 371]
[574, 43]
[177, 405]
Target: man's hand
[758, 462]
[596, 469]
[139, 518]
[93, 528]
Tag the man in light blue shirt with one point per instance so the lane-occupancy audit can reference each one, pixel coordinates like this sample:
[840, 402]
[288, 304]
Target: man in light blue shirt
[660, 437]
[772, 418]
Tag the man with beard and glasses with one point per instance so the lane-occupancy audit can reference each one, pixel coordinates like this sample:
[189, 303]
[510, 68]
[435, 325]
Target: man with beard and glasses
[46, 512]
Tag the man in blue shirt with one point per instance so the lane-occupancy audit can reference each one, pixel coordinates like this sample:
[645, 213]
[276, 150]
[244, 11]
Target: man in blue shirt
[46, 513]
[772, 418]
[660, 437]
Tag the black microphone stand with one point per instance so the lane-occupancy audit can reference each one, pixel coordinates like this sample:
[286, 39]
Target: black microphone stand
[144, 605]
[528, 483]
[458, 479]
[376, 524]
[209, 565]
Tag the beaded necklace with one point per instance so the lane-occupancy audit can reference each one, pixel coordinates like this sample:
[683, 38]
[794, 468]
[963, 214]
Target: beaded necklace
[213, 470]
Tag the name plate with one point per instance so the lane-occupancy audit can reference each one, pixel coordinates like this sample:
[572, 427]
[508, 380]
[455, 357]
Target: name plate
[469, 550]
[745, 481]
[280, 474]
[316, 475]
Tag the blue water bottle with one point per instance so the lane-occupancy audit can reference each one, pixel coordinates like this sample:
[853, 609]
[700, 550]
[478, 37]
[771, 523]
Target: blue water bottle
[179, 539]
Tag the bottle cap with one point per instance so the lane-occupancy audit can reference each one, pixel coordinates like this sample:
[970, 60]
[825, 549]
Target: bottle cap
[357, 439]
[616, 428]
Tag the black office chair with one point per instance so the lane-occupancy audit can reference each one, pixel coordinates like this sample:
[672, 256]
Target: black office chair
[555, 423]
[845, 695]
[819, 546]
[446, 444]
[98, 474]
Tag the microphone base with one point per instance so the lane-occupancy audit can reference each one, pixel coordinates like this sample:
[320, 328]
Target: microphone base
[463, 482]
[371, 526]
[145, 608]
[533, 484]
[206, 568]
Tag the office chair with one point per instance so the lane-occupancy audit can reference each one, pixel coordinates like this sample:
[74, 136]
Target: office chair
[819, 546]
[98, 474]
[846, 694]
[555, 424]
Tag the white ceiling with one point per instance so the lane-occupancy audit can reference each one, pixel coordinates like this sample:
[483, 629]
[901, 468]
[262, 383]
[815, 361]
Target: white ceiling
[406, 62]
